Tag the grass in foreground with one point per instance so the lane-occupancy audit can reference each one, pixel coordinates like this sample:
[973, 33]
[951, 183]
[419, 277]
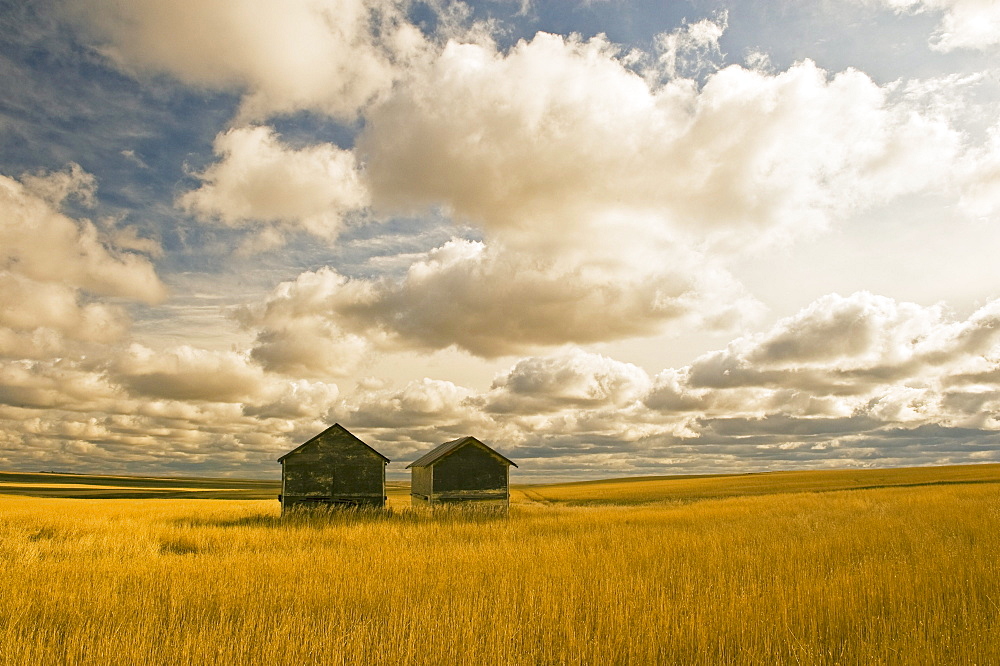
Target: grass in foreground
[889, 575]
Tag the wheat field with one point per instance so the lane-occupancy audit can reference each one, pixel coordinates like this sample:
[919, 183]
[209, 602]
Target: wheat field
[895, 575]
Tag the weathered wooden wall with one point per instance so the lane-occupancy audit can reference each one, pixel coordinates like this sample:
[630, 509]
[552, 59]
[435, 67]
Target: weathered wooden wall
[333, 467]
[470, 472]
[420, 482]
[462, 471]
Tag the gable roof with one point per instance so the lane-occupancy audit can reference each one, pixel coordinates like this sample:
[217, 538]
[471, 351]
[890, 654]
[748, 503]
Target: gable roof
[441, 451]
[335, 426]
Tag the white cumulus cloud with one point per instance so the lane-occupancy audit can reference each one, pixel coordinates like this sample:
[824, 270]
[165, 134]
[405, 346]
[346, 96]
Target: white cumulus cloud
[55, 272]
[330, 56]
[265, 185]
[965, 24]
[573, 379]
[490, 301]
[551, 131]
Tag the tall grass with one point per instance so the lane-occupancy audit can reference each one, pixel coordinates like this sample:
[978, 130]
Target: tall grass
[898, 575]
[645, 489]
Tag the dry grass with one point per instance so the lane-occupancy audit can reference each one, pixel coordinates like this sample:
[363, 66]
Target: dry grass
[890, 575]
[644, 490]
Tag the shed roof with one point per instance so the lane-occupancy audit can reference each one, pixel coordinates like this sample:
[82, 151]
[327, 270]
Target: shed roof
[335, 426]
[441, 451]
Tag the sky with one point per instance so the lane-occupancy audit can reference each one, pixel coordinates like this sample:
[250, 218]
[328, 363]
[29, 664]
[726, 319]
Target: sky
[608, 237]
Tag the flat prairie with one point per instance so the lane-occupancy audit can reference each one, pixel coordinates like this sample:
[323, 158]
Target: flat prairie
[681, 489]
[859, 567]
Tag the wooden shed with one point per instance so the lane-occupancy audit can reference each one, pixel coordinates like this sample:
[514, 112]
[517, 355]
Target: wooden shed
[333, 468]
[463, 470]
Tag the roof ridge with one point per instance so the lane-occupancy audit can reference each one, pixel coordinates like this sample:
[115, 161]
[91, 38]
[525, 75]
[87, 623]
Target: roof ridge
[442, 450]
[326, 430]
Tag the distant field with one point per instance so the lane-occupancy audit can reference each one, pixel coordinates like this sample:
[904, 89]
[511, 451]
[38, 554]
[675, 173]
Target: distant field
[870, 567]
[86, 486]
[80, 486]
[644, 490]
[628, 491]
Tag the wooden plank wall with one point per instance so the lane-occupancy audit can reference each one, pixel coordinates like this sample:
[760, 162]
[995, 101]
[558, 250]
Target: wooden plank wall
[334, 466]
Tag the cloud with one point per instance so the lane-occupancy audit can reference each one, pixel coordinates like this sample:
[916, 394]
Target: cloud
[671, 393]
[296, 400]
[28, 305]
[55, 384]
[188, 373]
[309, 346]
[856, 356]
[965, 24]
[56, 187]
[859, 331]
[165, 409]
[262, 184]
[54, 270]
[605, 204]
[980, 180]
[904, 404]
[420, 403]
[572, 379]
[892, 385]
[490, 301]
[593, 200]
[298, 331]
[837, 344]
[327, 56]
[40, 243]
[691, 49]
[896, 383]
[544, 135]
[155, 436]
[407, 421]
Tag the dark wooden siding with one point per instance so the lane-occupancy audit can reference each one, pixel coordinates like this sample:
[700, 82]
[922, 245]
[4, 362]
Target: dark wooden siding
[335, 466]
[470, 468]
[307, 474]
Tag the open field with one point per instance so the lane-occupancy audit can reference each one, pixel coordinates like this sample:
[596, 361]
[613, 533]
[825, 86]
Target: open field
[904, 573]
[80, 486]
[87, 486]
[644, 490]
[627, 491]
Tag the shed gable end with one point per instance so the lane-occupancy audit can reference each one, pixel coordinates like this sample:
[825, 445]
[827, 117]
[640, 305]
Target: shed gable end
[334, 466]
[470, 467]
